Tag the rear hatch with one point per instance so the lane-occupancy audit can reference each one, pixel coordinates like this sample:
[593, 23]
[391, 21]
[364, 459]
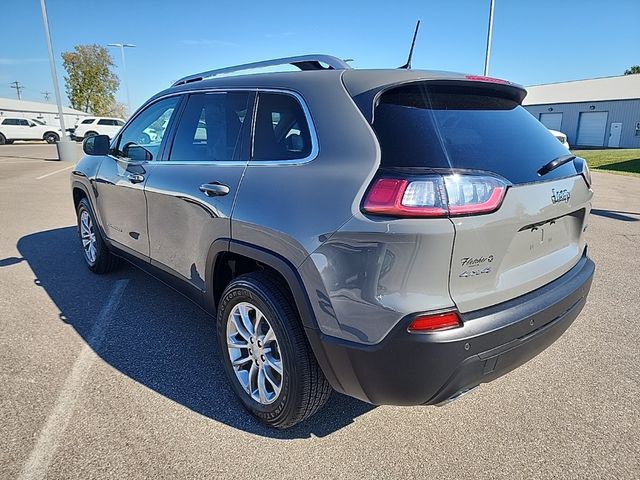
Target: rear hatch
[488, 151]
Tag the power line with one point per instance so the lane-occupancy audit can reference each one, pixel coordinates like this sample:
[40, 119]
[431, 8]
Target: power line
[18, 86]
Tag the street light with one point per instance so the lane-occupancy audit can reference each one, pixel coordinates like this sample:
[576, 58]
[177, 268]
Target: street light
[66, 149]
[122, 46]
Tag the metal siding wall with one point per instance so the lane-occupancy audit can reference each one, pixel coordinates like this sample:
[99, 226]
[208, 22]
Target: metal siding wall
[625, 111]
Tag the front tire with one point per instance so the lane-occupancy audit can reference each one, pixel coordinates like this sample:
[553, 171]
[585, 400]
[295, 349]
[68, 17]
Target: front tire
[266, 355]
[90, 134]
[51, 137]
[95, 252]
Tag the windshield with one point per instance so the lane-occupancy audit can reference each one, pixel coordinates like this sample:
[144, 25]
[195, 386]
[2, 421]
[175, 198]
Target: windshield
[39, 122]
[462, 127]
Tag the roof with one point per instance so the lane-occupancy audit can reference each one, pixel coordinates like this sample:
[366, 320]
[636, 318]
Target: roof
[11, 104]
[624, 87]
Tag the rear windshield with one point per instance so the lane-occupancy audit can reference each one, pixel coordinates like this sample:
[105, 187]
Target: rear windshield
[464, 128]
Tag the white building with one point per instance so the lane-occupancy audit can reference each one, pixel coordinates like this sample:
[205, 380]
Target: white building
[599, 112]
[45, 112]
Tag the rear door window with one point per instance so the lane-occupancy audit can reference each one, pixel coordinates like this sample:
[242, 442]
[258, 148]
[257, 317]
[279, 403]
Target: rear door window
[211, 127]
[281, 130]
[461, 127]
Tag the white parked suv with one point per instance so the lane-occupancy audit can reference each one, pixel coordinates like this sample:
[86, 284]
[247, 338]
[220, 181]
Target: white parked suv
[92, 126]
[12, 129]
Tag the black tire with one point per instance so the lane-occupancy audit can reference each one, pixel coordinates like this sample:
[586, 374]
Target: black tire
[3, 139]
[304, 388]
[9, 142]
[104, 261]
[51, 137]
[90, 134]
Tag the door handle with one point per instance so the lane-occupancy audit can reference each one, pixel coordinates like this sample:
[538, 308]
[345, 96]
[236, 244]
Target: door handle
[214, 189]
[135, 177]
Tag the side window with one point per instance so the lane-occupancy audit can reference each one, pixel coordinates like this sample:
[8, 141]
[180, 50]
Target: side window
[118, 123]
[85, 122]
[281, 131]
[8, 121]
[142, 138]
[23, 123]
[104, 121]
[211, 127]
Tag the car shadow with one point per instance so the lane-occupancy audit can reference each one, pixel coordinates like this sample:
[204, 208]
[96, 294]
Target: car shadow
[617, 215]
[157, 337]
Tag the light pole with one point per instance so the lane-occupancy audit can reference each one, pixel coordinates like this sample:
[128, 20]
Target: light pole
[489, 35]
[122, 46]
[66, 150]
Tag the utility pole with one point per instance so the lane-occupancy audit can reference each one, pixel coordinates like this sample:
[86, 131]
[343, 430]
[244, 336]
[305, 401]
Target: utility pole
[46, 94]
[489, 39]
[18, 86]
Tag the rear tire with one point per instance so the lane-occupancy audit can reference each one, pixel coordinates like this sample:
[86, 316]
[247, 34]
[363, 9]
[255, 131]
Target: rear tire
[51, 137]
[3, 139]
[296, 392]
[90, 134]
[96, 253]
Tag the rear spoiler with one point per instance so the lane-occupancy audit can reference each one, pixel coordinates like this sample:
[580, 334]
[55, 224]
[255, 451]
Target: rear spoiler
[368, 101]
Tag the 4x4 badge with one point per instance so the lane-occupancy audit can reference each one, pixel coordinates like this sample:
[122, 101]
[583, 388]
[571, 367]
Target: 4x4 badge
[560, 196]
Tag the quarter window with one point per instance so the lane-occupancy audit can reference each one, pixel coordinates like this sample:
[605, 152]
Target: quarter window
[210, 129]
[281, 131]
[142, 138]
[85, 122]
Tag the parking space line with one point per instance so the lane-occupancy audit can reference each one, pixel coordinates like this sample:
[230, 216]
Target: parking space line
[58, 420]
[53, 173]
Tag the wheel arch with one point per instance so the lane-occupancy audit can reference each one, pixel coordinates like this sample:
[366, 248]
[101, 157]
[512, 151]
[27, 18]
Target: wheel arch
[223, 249]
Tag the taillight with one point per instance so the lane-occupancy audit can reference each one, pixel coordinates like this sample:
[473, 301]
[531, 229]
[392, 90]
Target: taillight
[439, 321]
[435, 195]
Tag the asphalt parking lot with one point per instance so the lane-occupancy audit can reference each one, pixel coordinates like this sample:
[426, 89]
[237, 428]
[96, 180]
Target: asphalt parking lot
[118, 376]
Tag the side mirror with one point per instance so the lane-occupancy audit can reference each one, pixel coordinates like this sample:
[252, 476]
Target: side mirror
[136, 152]
[96, 145]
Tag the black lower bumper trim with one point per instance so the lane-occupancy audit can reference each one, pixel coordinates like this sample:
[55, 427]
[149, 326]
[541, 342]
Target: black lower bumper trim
[414, 369]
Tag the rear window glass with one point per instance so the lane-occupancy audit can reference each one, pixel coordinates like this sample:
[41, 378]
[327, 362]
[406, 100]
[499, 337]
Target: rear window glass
[464, 128]
[281, 131]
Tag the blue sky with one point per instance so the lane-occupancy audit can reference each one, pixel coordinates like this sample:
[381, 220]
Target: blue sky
[535, 41]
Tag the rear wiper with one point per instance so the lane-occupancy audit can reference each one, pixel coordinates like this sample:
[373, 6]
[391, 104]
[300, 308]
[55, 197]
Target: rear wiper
[555, 163]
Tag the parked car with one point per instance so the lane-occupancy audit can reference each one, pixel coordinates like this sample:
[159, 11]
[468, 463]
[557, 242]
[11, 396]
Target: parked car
[12, 129]
[399, 236]
[562, 138]
[92, 126]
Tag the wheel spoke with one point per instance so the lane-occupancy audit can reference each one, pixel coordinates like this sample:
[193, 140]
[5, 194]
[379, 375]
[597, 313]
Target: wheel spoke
[262, 389]
[269, 336]
[273, 363]
[232, 343]
[239, 326]
[274, 384]
[246, 321]
[241, 361]
[253, 371]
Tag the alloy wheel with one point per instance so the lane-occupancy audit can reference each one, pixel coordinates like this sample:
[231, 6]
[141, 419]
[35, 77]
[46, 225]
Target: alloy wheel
[254, 353]
[88, 237]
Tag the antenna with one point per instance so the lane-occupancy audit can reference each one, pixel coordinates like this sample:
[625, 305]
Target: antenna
[407, 66]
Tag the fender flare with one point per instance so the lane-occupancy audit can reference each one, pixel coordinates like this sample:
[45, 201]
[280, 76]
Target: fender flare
[269, 258]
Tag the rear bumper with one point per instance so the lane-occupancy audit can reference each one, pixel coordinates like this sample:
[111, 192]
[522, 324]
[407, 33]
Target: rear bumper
[431, 368]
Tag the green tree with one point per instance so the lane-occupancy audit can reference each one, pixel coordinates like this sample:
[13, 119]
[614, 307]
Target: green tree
[90, 83]
[632, 70]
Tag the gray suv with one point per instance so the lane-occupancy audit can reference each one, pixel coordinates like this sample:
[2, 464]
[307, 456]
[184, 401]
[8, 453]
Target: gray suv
[399, 236]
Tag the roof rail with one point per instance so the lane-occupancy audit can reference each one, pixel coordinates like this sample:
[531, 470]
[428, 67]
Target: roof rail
[303, 62]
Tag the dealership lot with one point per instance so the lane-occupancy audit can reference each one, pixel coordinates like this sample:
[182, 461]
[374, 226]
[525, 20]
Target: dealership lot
[118, 376]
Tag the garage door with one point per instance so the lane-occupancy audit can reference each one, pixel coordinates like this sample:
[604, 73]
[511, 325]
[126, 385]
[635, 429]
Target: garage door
[591, 128]
[551, 120]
